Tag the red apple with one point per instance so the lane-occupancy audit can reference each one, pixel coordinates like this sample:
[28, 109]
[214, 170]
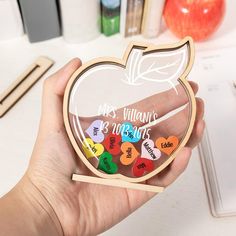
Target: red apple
[196, 18]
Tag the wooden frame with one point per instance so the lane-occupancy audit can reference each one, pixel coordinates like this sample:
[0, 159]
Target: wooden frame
[23, 83]
[118, 179]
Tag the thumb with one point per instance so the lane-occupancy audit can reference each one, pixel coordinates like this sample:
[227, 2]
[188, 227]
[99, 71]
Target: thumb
[53, 91]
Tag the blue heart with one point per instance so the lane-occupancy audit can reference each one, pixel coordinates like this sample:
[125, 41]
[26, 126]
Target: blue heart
[129, 134]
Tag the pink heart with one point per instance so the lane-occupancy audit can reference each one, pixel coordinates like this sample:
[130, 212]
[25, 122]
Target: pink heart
[148, 150]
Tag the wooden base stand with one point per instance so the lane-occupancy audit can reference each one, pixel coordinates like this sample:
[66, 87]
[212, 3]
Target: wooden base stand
[117, 183]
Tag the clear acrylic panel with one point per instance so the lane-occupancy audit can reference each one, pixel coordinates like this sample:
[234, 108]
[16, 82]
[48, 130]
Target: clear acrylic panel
[129, 118]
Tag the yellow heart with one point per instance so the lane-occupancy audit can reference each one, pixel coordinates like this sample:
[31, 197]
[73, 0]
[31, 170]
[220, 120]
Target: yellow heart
[92, 149]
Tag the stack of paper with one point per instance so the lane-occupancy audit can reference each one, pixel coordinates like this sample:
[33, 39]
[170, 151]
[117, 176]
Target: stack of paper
[215, 71]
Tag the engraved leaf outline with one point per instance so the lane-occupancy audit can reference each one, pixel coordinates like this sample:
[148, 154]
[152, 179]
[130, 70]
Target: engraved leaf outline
[137, 77]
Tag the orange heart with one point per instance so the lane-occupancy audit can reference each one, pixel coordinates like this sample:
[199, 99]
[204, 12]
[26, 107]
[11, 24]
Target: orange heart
[167, 145]
[129, 153]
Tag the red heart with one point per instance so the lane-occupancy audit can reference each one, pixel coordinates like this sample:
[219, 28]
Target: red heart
[112, 143]
[142, 165]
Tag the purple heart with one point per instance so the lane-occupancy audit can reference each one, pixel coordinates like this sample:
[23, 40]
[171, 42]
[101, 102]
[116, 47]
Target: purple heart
[148, 150]
[95, 131]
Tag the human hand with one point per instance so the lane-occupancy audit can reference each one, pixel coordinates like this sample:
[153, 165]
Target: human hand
[164, 114]
[76, 208]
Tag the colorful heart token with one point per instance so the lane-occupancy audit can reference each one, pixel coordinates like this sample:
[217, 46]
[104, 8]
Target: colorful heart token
[95, 131]
[112, 143]
[91, 149]
[129, 153]
[148, 150]
[106, 164]
[167, 145]
[141, 166]
[129, 134]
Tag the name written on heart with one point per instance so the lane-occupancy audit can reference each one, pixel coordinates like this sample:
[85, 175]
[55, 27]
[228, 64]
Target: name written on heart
[106, 163]
[95, 131]
[141, 166]
[129, 152]
[112, 142]
[166, 145]
[93, 149]
[150, 150]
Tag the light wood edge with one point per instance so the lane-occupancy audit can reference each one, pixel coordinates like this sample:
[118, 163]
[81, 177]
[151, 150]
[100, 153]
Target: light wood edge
[145, 11]
[122, 62]
[117, 183]
[23, 83]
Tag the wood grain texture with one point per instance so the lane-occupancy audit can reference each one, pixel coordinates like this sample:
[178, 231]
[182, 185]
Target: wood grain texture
[117, 183]
[23, 83]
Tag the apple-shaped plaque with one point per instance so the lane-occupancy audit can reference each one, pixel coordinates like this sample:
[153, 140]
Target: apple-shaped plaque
[128, 118]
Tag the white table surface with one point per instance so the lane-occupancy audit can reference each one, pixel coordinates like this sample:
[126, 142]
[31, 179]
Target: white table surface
[182, 209]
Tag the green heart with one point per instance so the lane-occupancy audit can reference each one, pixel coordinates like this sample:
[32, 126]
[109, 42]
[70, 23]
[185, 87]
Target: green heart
[106, 164]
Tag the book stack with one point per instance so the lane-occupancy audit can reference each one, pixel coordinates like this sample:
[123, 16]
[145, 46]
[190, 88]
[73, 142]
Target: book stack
[79, 20]
[152, 16]
[131, 17]
[139, 16]
[110, 17]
